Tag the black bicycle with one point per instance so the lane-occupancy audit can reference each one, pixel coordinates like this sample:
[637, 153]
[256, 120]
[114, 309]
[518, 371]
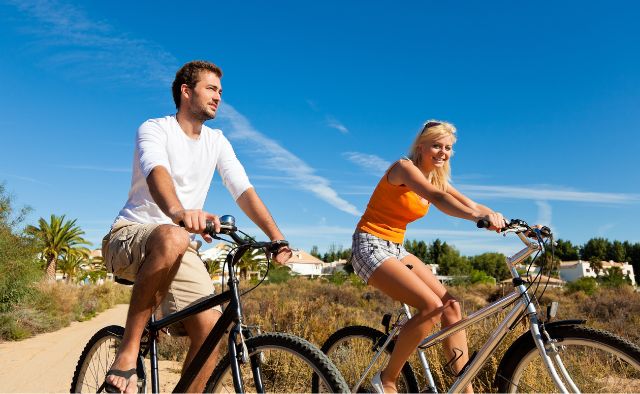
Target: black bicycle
[255, 361]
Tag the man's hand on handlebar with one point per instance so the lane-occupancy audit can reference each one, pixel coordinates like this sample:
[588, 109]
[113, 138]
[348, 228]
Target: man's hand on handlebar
[195, 221]
[282, 255]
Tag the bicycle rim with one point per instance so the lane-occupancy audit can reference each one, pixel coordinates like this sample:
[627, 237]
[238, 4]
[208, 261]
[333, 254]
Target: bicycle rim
[96, 359]
[287, 365]
[597, 362]
[351, 349]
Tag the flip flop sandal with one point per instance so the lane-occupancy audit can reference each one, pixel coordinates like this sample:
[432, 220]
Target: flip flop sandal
[108, 387]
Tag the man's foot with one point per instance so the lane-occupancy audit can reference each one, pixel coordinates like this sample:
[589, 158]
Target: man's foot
[119, 381]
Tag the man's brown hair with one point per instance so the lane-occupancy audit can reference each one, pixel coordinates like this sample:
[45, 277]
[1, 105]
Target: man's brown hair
[189, 75]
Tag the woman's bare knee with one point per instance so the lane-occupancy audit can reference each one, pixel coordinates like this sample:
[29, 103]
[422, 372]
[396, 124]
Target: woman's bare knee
[451, 312]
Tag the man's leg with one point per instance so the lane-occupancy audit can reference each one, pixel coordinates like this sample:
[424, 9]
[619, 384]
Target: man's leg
[198, 328]
[163, 253]
[190, 285]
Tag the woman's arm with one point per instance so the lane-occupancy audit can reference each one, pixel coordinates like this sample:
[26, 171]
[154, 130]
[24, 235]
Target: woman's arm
[493, 217]
[404, 172]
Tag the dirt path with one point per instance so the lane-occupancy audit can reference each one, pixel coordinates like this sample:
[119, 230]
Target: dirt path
[46, 362]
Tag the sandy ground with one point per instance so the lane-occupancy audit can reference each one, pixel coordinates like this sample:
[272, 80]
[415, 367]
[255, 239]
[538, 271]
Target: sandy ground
[46, 362]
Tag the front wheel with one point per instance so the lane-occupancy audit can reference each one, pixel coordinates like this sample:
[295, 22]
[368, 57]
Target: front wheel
[96, 359]
[286, 364]
[352, 349]
[596, 360]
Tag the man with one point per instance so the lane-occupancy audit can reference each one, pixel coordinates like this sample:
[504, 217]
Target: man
[175, 158]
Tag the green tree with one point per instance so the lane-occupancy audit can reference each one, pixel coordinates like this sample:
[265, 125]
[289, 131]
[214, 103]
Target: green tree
[57, 237]
[566, 251]
[632, 251]
[493, 264]
[616, 252]
[314, 252]
[19, 267]
[70, 265]
[476, 276]
[449, 260]
[420, 249]
[595, 247]
[549, 263]
[596, 265]
[252, 261]
[615, 278]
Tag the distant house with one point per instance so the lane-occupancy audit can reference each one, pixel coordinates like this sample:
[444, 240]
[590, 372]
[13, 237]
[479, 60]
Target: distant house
[333, 267]
[574, 270]
[302, 263]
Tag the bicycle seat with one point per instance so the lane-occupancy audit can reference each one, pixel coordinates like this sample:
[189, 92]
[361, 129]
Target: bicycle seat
[122, 281]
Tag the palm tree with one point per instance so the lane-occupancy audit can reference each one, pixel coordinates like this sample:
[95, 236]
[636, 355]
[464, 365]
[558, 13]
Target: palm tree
[596, 265]
[70, 265]
[252, 261]
[57, 237]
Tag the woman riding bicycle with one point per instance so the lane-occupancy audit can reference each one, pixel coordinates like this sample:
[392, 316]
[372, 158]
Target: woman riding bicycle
[403, 195]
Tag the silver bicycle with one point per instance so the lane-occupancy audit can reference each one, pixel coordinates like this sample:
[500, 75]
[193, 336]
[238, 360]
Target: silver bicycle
[553, 356]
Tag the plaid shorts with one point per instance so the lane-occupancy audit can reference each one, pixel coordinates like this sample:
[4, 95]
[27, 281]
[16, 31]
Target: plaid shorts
[369, 252]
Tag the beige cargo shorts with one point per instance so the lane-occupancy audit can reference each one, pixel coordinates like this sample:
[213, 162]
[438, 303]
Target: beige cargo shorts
[123, 250]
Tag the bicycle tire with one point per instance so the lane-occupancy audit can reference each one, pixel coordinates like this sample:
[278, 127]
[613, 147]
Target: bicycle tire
[287, 364]
[351, 350]
[597, 361]
[96, 359]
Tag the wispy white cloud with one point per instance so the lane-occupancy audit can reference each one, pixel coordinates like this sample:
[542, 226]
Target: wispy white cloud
[90, 49]
[544, 213]
[373, 164]
[276, 158]
[330, 120]
[96, 168]
[547, 193]
[334, 123]
[26, 179]
[604, 229]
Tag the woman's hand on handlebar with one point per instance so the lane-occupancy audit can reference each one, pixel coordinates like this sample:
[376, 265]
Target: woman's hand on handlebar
[496, 221]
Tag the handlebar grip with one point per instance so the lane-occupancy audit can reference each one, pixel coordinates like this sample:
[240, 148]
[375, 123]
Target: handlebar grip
[483, 223]
[209, 229]
[276, 245]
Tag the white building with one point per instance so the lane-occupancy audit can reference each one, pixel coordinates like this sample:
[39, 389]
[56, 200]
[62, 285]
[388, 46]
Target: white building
[574, 270]
[302, 263]
[333, 267]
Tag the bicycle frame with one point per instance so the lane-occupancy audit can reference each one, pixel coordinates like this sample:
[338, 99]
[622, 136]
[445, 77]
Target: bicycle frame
[231, 317]
[521, 302]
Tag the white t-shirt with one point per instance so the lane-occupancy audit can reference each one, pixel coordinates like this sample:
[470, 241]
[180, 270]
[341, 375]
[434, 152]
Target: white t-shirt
[191, 163]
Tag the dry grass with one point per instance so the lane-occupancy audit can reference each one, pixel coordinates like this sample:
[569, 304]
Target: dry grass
[55, 305]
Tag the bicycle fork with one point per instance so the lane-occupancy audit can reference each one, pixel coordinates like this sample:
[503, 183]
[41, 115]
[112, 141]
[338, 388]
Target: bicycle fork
[550, 355]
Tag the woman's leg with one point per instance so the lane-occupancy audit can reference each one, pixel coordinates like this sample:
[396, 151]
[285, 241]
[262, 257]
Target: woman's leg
[455, 346]
[397, 281]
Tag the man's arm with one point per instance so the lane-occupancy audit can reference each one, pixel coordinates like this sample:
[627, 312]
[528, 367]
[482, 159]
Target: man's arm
[254, 208]
[164, 194]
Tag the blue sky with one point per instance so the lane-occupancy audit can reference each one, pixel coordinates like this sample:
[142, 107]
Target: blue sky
[319, 97]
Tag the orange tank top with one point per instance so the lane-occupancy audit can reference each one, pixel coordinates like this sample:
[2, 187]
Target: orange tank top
[390, 209]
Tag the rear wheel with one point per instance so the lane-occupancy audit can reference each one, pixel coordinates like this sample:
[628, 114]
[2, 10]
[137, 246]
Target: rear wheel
[96, 359]
[286, 364]
[596, 360]
[352, 349]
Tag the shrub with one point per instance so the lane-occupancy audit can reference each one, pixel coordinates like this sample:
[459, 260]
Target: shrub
[586, 285]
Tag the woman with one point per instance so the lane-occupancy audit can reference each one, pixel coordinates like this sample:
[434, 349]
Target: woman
[403, 195]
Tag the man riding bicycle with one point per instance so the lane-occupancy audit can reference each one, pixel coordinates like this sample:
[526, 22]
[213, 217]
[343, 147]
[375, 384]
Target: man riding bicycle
[174, 162]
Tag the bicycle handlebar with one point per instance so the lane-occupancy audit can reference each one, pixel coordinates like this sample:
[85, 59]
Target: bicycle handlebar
[228, 227]
[519, 226]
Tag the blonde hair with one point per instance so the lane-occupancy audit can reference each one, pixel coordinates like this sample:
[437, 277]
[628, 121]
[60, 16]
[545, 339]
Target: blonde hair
[433, 130]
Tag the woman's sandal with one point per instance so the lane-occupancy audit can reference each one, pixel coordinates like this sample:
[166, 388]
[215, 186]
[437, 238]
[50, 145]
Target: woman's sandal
[108, 387]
